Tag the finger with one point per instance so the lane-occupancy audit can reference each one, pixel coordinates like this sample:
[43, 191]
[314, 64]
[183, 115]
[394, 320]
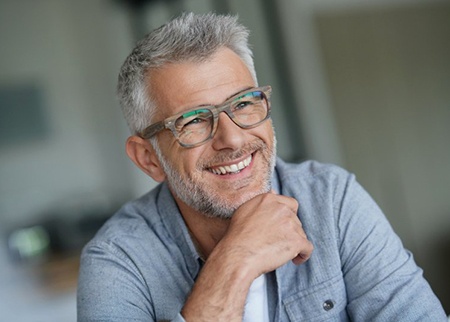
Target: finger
[305, 254]
[299, 227]
[301, 231]
[291, 203]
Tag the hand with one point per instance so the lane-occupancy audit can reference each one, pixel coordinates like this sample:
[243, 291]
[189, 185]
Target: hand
[263, 234]
[266, 233]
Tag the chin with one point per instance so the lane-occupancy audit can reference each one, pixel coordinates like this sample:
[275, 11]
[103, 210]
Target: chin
[225, 208]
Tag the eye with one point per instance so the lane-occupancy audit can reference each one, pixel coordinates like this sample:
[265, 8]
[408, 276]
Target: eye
[193, 119]
[243, 104]
[247, 100]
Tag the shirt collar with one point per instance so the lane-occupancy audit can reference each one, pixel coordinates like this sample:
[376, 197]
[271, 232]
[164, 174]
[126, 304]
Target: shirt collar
[178, 231]
[175, 225]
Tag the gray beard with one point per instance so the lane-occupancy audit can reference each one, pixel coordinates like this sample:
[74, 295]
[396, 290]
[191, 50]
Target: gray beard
[198, 197]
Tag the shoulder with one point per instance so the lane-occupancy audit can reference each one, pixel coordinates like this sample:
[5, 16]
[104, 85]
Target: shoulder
[312, 176]
[308, 169]
[135, 224]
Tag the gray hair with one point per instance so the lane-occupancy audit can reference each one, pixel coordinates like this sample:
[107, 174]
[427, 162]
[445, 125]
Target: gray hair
[189, 37]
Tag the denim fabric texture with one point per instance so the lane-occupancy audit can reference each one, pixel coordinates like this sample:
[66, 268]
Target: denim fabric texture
[142, 264]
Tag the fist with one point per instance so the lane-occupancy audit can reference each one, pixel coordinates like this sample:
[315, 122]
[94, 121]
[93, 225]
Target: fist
[266, 233]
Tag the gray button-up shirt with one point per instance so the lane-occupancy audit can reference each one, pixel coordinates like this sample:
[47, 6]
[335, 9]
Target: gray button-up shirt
[142, 264]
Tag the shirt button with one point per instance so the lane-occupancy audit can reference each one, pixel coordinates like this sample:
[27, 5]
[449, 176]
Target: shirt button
[328, 305]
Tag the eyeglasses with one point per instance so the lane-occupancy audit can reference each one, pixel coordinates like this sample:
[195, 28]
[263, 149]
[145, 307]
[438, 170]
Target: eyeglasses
[247, 110]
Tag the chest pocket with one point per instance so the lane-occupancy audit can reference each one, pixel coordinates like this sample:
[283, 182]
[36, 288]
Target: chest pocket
[324, 302]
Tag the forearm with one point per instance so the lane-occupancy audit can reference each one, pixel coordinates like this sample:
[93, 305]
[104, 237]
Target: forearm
[263, 234]
[221, 289]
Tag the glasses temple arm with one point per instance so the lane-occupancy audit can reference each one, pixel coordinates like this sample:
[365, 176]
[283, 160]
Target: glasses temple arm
[152, 130]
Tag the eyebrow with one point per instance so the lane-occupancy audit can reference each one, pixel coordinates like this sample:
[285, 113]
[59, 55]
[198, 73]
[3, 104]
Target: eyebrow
[232, 95]
[197, 107]
[237, 93]
[194, 112]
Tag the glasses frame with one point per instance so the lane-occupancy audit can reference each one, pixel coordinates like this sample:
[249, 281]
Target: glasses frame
[169, 123]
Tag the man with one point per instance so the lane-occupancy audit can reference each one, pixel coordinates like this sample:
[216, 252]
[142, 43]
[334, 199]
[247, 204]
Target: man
[228, 235]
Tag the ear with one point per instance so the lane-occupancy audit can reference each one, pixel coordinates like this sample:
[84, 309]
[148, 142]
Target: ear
[141, 152]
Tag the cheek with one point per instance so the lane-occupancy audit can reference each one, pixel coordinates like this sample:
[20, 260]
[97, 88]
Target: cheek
[187, 160]
[266, 133]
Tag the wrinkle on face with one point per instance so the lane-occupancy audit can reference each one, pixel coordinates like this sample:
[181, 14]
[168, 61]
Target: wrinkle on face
[184, 86]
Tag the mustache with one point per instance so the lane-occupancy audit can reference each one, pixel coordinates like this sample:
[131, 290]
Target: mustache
[227, 156]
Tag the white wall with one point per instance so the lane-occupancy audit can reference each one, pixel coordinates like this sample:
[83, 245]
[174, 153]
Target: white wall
[72, 54]
[374, 80]
[72, 50]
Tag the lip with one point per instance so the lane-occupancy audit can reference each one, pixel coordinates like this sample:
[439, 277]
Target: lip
[233, 168]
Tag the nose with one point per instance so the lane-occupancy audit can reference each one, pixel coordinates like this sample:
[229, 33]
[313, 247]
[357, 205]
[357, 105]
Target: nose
[228, 134]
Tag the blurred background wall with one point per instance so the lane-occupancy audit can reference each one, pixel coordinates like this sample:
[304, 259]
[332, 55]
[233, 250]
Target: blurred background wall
[365, 85]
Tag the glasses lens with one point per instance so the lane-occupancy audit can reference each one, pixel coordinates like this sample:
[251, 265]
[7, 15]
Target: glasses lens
[250, 108]
[194, 126]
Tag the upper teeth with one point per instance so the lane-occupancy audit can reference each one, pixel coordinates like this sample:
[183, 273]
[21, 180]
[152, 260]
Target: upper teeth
[232, 168]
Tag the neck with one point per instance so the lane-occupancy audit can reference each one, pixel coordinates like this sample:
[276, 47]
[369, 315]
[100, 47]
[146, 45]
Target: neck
[205, 231]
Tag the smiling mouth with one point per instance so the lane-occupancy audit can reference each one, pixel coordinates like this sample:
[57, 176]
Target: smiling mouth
[232, 168]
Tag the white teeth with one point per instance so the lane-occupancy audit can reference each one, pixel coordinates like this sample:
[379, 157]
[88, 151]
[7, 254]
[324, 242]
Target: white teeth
[233, 168]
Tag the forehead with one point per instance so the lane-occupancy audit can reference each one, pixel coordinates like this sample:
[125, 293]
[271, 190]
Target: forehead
[178, 87]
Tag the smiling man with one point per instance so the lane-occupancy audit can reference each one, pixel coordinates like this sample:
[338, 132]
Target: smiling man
[228, 235]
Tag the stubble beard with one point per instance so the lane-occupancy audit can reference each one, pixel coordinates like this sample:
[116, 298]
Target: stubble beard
[196, 193]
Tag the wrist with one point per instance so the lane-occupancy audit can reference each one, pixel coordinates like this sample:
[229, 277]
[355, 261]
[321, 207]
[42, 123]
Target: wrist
[221, 289]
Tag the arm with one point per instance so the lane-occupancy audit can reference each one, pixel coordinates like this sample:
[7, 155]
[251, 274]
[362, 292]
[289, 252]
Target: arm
[264, 234]
[383, 282]
[110, 287]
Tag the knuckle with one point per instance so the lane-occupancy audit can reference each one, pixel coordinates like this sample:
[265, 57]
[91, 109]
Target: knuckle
[287, 209]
